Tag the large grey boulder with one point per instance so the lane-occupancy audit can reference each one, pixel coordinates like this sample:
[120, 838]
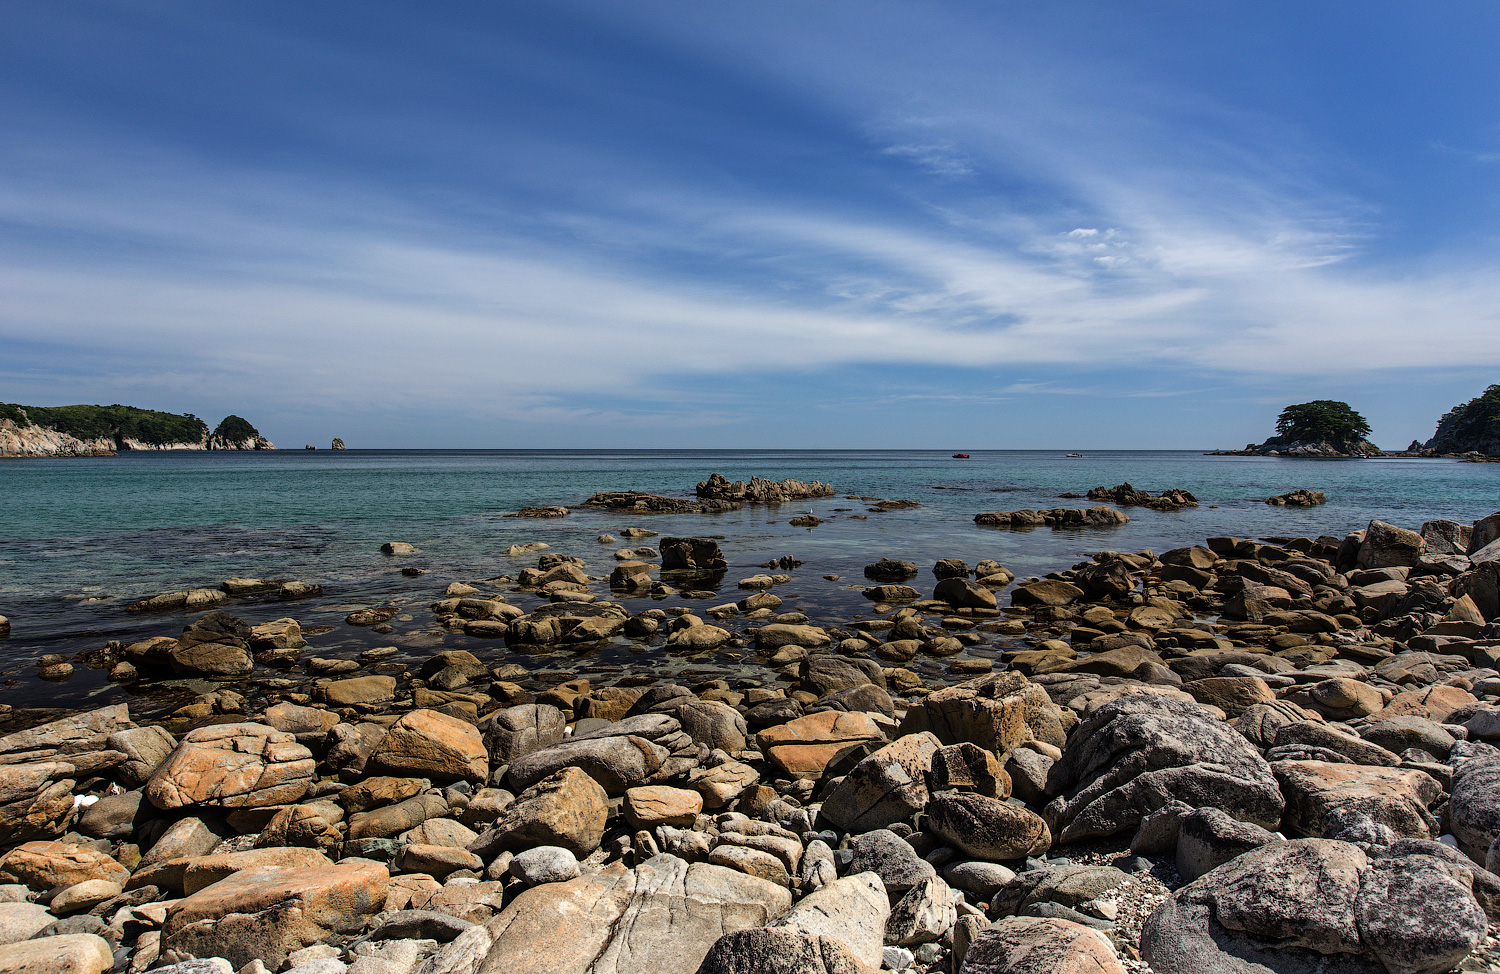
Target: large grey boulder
[1317, 906]
[515, 732]
[770, 951]
[617, 763]
[1038, 945]
[1207, 838]
[1387, 546]
[1473, 813]
[923, 915]
[661, 916]
[886, 787]
[891, 858]
[1138, 752]
[853, 909]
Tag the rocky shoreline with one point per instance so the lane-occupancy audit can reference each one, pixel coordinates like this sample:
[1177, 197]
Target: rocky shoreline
[1231, 756]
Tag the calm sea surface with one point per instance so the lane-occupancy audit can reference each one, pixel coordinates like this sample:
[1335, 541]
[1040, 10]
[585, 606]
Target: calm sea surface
[79, 538]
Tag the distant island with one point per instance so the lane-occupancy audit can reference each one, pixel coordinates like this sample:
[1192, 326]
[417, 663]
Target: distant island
[1329, 429]
[1321, 429]
[101, 431]
[1473, 427]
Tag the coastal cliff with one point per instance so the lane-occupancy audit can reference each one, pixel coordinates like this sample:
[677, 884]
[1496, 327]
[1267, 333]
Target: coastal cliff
[17, 440]
[1473, 427]
[101, 431]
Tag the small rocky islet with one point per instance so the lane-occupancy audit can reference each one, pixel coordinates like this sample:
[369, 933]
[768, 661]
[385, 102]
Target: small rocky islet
[1241, 756]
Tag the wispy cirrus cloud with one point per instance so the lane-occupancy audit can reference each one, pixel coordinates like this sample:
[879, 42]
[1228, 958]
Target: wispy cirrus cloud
[755, 202]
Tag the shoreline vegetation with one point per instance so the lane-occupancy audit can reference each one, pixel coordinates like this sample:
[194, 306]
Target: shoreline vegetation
[1330, 430]
[102, 431]
[1123, 763]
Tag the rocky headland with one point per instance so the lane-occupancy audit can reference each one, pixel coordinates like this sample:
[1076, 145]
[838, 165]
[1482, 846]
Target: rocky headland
[1469, 428]
[103, 431]
[1244, 755]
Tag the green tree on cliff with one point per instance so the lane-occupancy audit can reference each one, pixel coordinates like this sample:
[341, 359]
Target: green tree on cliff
[1324, 419]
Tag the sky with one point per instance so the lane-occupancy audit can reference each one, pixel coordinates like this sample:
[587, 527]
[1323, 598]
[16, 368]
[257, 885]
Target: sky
[969, 225]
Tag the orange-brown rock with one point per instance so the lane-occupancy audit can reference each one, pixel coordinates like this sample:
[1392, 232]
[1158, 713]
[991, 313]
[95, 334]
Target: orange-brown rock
[805, 747]
[203, 871]
[996, 712]
[43, 866]
[233, 765]
[429, 744]
[648, 806]
[1434, 703]
[1231, 694]
[269, 911]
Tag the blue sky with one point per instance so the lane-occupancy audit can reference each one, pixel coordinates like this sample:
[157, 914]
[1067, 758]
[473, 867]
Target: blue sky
[658, 224]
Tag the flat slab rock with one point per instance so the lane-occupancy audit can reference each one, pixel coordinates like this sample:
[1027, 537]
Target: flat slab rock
[660, 917]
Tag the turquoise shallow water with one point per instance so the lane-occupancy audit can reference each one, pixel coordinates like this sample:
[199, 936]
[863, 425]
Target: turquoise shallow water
[81, 537]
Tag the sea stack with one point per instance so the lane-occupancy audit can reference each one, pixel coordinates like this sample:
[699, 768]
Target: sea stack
[338, 444]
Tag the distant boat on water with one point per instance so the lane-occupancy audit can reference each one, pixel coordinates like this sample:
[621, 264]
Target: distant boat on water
[1075, 454]
[960, 456]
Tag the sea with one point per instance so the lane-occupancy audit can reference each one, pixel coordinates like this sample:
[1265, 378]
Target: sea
[80, 538]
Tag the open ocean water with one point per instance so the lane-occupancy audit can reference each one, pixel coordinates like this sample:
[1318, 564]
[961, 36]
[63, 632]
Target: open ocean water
[80, 538]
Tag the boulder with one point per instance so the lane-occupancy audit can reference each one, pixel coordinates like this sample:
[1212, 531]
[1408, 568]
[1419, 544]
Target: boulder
[1394, 797]
[73, 953]
[987, 828]
[891, 858]
[567, 809]
[778, 951]
[360, 691]
[1387, 546]
[42, 866]
[852, 910]
[964, 593]
[429, 744]
[1040, 945]
[663, 915]
[36, 800]
[1067, 885]
[692, 555]
[215, 646]
[1134, 754]
[924, 914]
[203, 871]
[1317, 905]
[544, 864]
[21, 920]
[233, 765]
[886, 787]
[648, 806]
[996, 712]
[618, 763]
[1473, 813]
[807, 746]
[1207, 838]
[392, 820]
[267, 912]
[1048, 591]
[969, 767]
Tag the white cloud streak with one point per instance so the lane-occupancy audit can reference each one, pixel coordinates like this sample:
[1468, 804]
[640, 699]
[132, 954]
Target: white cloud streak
[345, 296]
